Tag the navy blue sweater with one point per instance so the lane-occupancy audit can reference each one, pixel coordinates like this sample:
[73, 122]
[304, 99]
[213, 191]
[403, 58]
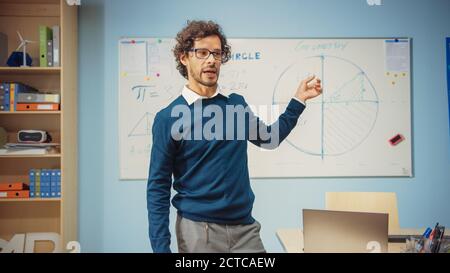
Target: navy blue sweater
[210, 176]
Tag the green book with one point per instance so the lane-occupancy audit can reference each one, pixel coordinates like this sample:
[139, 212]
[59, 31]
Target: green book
[45, 34]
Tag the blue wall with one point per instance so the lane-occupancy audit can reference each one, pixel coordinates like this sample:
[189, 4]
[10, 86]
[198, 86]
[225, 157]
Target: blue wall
[112, 213]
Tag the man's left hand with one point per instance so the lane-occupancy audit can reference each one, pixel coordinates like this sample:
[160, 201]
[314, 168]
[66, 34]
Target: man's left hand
[308, 89]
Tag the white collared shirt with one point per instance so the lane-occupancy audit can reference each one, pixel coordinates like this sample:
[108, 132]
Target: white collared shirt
[191, 96]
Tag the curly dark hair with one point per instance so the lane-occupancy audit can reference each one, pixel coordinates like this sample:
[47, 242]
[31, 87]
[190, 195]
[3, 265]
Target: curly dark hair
[197, 30]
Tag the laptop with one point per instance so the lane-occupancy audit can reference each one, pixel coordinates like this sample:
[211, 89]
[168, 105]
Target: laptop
[344, 231]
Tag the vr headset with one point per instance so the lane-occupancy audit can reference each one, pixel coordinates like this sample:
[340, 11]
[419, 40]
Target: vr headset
[33, 136]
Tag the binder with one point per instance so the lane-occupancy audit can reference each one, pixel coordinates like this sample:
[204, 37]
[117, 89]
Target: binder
[53, 184]
[18, 89]
[55, 30]
[38, 98]
[4, 98]
[58, 183]
[45, 183]
[37, 174]
[15, 194]
[11, 91]
[16, 186]
[45, 34]
[50, 53]
[4, 89]
[37, 106]
[6, 104]
[32, 183]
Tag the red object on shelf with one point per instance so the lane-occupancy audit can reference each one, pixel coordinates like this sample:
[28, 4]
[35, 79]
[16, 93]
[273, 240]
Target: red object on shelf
[37, 106]
[17, 186]
[14, 194]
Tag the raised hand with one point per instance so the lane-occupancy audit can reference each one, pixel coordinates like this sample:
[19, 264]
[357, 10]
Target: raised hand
[308, 89]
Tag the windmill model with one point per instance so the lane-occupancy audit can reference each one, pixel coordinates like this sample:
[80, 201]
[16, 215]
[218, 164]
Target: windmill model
[23, 44]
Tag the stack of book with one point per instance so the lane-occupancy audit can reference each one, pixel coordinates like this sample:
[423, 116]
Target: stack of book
[16, 96]
[49, 46]
[45, 183]
[29, 148]
[14, 190]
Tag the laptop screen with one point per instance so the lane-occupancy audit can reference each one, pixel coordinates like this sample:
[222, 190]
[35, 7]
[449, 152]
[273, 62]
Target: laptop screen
[344, 231]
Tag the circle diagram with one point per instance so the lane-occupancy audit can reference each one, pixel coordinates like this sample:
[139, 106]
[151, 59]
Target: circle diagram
[342, 117]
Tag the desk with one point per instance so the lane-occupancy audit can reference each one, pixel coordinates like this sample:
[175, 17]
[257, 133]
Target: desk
[292, 239]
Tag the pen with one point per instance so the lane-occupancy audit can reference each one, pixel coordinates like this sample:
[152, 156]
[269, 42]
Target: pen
[433, 236]
[421, 244]
[439, 237]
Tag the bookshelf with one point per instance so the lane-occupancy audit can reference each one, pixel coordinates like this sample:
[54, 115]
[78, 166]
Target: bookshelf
[20, 215]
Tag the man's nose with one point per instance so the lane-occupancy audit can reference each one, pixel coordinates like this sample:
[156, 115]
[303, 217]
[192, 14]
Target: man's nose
[210, 58]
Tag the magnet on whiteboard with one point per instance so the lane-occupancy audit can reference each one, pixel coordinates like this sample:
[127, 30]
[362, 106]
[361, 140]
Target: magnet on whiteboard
[396, 139]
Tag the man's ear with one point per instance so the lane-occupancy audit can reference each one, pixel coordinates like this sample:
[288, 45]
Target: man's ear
[183, 58]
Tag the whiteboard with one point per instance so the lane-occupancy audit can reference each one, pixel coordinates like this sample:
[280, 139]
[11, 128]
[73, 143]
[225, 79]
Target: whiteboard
[345, 132]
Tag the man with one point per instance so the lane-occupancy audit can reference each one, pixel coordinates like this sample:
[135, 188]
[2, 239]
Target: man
[214, 199]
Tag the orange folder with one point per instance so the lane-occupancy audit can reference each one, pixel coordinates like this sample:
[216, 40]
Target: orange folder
[15, 194]
[37, 106]
[18, 186]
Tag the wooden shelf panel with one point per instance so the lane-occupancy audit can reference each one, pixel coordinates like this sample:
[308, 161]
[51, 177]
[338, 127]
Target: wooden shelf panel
[55, 2]
[29, 29]
[27, 8]
[15, 123]
[43, 82]
[32, 156]
[31, 113]
[29, 70]
[30, 199]
[16, 169]
[26, 217]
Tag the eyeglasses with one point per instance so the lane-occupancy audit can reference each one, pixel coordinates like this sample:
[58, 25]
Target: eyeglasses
[203, 53]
